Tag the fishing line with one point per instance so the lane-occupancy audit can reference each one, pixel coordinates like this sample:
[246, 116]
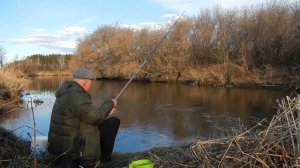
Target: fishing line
[148, 57]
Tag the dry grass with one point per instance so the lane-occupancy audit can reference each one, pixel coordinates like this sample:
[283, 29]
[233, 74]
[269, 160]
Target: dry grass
[216, 75]
[275, 146]
[12, 148]
[54, 73]
[12, 81]
[232, 74]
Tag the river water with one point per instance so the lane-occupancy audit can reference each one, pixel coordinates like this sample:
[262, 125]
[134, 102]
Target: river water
[155, 114]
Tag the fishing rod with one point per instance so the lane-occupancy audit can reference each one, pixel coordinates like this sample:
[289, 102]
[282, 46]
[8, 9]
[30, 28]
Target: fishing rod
[149, 56]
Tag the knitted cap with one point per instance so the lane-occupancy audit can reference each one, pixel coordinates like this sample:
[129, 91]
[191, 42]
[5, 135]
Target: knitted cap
[82, 73]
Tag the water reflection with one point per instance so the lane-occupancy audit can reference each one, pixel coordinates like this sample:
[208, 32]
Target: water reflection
[157, 114]
[47, 83]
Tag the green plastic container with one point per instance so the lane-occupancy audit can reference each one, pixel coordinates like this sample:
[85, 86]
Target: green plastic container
[144, 163]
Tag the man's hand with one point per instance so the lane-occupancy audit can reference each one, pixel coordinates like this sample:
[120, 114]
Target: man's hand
[113, 112]
[115, 102]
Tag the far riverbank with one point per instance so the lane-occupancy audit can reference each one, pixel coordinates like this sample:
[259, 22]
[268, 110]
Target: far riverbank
[290, 83]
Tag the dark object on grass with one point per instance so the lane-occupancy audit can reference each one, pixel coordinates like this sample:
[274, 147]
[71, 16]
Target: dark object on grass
[38, 101]
[297, 90]
[4, 94]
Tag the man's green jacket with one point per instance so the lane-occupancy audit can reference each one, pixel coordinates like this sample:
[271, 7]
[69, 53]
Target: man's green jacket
[74, 123]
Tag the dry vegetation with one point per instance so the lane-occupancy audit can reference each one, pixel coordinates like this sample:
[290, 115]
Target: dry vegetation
[13, 150]
[12, 81]
[277, 145]
[255, 45]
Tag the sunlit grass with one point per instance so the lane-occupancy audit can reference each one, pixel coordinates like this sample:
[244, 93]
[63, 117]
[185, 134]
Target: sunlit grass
[12, 81]
[54, 73]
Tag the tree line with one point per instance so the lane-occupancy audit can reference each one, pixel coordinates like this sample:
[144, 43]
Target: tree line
[40, 62]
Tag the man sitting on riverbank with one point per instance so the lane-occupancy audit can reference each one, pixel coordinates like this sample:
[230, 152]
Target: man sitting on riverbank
[81, 133]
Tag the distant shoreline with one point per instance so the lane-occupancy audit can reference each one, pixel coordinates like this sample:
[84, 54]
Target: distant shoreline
[52, 73]
[190, 82]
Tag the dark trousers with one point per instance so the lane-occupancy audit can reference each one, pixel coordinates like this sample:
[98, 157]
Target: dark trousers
[108, 132]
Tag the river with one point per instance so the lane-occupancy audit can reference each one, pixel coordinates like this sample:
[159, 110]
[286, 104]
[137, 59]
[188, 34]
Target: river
[155, 114]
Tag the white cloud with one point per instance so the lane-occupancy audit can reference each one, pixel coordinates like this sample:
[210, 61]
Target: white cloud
[181, 5]
[65, 46]
[194, 6]
[88, 20]
[142, 25]
[170, 15]
[71, 32]
[61, 40]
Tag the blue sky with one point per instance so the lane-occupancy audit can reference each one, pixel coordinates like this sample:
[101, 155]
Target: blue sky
[54, 26]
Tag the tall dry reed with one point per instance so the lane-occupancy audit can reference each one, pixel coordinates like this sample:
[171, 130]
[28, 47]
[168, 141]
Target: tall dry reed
[12, 81]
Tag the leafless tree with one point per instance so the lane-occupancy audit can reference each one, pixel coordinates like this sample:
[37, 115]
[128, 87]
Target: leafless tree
[2, 56]
[61, 61]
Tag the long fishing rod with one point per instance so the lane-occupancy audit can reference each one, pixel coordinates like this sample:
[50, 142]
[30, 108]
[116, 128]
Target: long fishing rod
[148, 57]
